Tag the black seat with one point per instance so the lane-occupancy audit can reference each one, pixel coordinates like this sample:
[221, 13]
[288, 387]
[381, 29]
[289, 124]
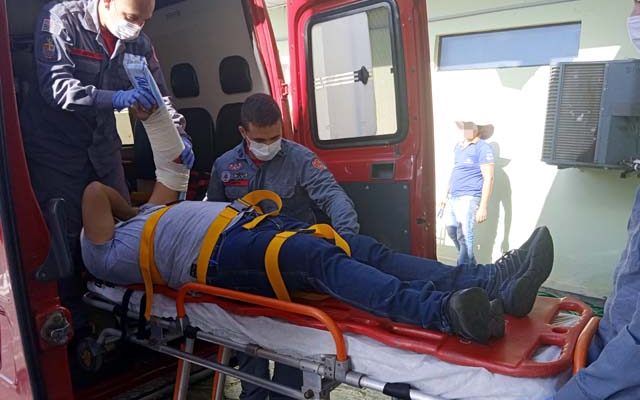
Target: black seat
[235, 78]
[200, 127]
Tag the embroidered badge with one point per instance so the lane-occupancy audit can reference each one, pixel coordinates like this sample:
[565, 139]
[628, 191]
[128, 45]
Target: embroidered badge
[51, 26]
[225, 176]
[49, 49]
[236, 166]
[317, 164]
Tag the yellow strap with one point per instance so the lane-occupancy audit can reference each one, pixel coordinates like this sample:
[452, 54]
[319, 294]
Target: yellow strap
[222, 221]
[210, 239]
[272, 264]
[148, 267]
[327, 232]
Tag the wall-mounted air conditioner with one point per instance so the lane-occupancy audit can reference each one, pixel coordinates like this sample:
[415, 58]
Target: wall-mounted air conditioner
[593, 114]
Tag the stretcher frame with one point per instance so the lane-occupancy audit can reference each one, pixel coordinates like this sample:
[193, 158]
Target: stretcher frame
[320, 377]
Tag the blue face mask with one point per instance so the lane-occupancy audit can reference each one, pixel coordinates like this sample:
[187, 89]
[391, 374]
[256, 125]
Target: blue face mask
[633, 26]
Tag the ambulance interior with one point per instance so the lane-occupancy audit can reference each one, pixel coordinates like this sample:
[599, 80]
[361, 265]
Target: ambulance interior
[210, 63]
[208, 53]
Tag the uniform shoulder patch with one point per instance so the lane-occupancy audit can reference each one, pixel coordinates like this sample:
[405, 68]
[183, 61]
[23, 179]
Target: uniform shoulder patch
[235, 166]
[51, 26]
[318, 164]
[49, 50]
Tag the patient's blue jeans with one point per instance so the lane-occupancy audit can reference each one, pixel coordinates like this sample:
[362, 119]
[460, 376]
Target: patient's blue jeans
[384, 282]
[376, 279]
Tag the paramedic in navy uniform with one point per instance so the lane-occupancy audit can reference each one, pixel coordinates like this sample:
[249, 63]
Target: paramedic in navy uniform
[264, 160]
[68, 122]
[614, 354]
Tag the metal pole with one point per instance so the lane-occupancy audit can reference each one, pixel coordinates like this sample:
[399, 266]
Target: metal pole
[185, 371]
[221, 368]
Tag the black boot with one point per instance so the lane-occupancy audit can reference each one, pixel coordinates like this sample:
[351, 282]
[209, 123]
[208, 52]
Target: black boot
[512, 263]
[473, 317]
[519, 292]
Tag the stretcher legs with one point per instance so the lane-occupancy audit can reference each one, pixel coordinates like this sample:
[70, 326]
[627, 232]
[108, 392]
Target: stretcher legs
[184, 371]
[224, 354]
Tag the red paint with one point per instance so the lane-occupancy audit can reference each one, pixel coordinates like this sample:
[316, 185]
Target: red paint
[413, 157]
[33, 239]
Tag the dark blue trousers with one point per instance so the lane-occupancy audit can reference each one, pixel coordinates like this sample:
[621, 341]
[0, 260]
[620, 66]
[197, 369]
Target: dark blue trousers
[375, 278]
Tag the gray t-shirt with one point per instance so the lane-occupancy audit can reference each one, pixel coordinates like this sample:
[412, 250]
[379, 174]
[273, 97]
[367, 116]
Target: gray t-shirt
[178, 238]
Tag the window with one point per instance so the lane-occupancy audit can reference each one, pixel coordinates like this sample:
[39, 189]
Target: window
[355, 76]
[521, 47]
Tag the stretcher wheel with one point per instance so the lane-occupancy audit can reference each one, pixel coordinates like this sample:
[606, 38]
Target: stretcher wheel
[90, 355]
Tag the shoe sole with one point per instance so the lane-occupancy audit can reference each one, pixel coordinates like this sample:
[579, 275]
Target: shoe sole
[473, 315]
[526, 287]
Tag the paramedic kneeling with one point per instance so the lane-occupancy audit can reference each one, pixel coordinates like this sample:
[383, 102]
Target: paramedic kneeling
[264, 160]
[308, 189]
[613, 371]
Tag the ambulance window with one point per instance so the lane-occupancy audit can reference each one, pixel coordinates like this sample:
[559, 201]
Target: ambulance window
[354, 95]
[123, 125]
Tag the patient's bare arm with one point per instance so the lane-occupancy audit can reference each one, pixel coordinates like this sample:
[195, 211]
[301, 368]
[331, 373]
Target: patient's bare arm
[100, 205]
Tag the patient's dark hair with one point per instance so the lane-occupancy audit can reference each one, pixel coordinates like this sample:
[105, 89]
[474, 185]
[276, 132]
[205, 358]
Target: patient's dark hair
[260, 110]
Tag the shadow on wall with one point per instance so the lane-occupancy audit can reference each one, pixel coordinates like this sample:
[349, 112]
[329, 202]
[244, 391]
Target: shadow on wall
[500, 201]
[586, 212]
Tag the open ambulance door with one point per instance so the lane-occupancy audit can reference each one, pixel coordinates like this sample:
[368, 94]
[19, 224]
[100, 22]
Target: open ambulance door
[362, 101]
[34, 328]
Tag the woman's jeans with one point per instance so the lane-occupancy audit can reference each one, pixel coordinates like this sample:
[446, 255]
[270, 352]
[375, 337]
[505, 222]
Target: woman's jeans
[460, 218]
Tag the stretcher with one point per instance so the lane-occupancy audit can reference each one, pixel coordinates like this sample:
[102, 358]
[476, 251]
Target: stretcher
[334, 344]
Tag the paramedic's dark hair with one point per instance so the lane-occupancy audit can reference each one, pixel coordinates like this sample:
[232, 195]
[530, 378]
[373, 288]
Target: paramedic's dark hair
[261, 110]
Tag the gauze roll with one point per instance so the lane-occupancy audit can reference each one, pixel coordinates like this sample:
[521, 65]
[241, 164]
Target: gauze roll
[163, 135]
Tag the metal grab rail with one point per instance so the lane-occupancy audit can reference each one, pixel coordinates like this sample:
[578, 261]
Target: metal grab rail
[321, 316]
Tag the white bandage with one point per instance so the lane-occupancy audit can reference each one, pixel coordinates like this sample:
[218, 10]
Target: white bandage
[167, 146]
[165, 140]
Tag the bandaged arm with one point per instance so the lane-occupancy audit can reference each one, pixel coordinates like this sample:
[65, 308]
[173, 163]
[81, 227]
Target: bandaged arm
[163, 134]
[614, 372]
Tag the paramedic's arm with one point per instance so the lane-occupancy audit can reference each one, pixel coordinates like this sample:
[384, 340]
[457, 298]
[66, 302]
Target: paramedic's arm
[326, 193]
[158, 76]
[100, 205]
[487, 187]
[615, 370]
[215, 192]
[55, 69]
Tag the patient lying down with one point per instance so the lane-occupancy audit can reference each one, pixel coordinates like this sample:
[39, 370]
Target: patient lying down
[467, 300]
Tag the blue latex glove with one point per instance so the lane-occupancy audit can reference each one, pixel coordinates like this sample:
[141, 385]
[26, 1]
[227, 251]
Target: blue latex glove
[127, 98]
[187, 158]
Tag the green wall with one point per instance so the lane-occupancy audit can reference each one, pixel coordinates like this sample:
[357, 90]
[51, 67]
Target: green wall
[586, 210]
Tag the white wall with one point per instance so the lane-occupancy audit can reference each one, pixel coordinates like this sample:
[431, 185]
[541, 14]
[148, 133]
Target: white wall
[586, 210]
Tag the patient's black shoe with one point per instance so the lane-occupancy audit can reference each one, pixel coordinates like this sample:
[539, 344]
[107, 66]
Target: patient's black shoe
[512, 263]
[519, 292]
[472, 316]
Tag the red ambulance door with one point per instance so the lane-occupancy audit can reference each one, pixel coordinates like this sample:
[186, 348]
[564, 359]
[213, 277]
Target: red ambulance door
[362, 101]
[31, 366]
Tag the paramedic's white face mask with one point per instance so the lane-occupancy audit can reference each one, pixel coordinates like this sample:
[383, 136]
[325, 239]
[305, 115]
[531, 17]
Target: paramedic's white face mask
[264, 152]
[633, 26]
[121, 28]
